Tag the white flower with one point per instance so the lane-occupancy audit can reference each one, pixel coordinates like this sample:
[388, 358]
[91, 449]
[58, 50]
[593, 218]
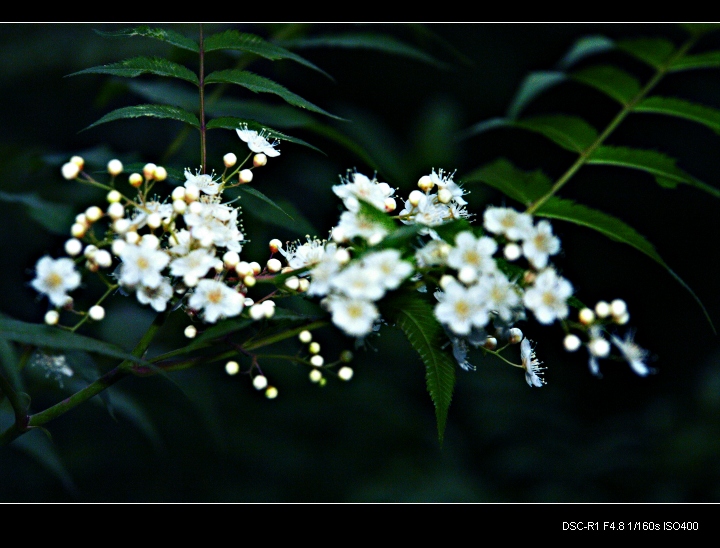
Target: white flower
[508, 222]
[257, 142]
[355, 224]
[363, 188]
[359, 282]
[142, 264]
[392, 269]
[531, 364]
[354, 316]
[634, 355]
[301, 255]
[202, 182]
[157, 297]
[55, 277]
[216, 300]
[547, 298]
[193, 265]
[446, 182]
[435, 252]
[474, 254]
[502, 296]
[461, 308]
[540, 244]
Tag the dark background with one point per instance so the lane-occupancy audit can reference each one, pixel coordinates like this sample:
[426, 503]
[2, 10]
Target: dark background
[204, 436]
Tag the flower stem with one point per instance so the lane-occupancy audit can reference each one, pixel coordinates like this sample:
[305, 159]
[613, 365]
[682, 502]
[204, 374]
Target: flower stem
[203, 127]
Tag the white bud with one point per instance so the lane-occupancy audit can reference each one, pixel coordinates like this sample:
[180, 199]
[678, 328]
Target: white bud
[78, 161]
[121, 226]
[315, 375]
[231, 259]
[114, 167]
[586, 316]
[257, 311]
[249, 280]
[151, 241]
[73, 247]
[304, 285]
[52, 317]
[376, 238]
[342, 256]
[268, 308]
[135, 180]
[190, 280]
[271, 393]
[292, 283]
[132, 237]
[179, 206]
[243, 269]
[245, 176]
[390, 204]
[445, 280]
[192, 193]
[317, 360]
[259, 160]
[618, 307]
[571, 342]
[599, 347]
[622, 320]
[490, 343]
[90, 251]
[96, 312]
[103, 259]
[602, 309]
[81, 219]
[78, 230]
[515, 335]
[232, 368]
[149, 170]
[305, 336]
[467, 275]
[256, 268]
[229, 159]
[444, 196]
[117, 246]
[93, 213]
[273, 265]
[195, 208]
[338, 235]
[248, 302]
[345, 373]
[160, 173]
[178, 193]
[314, 348]
[512, 252]
[190, 331]
[260, 382]
[70, 170]
[415, 197]
[425, 183]
[116, 211]
[113, 196]
[154, 220]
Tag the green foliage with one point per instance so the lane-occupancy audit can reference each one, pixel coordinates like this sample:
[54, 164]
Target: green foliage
[656, 52]
[150, 111]
[132, 68]
[52, 216]
[680, 108]
[164, 35]
[570, 132]
[611, 80]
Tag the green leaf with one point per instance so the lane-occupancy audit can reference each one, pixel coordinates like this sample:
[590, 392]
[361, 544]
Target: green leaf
[698, 29]
[371, 214]
[9, 365]
[584, 47]
[448, 231]
[343, 140]
[671, 106]
[653, 51]
[415, 317]
[55, 217]
[255, 192]
[164, 35]
[710, 59]
[377, 42]
[662, 167]
[230, 122]
[38, 446]
[570, 132]
[149, 111]
[46, 336]
[532, 86]
[292, 220]
[235, 40]
[611, 80]
[525, 187]
[613, 228]
[131, 68]
[258, 84]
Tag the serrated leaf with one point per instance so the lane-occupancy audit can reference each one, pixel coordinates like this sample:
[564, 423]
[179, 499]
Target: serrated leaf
[525, 187]
[259, 84]
[709, 117]
[653, 51]
[709, 59]
[570, 132]
[235, 40]
[613, 228]
[662, 167]
[415, 317]
[257, 194]
[533, 85]
[55, 217]
[611, 80]
[137, 66]
[377, 42]
[230, 122]
[46, 336]
[149, 111]
[164, 35]
[584, 47]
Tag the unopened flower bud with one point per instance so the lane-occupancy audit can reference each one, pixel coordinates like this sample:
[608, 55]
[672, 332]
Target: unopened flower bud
[415, 197]
[132, 237]
[273, 265]
[243, 268]
[78, 161]
[622, 320]
[114, 167]
[268, 308]
[96, 312]
[192, 193]
[118, 246]
[444, 196]
[116, 211]
[232, 368]
[81, 219]
[292, 283]
[135, 180]
[121, 226]
[149, 171]
[229, 159]
[179, 206]
[190, 280]
[70, 170]
[571, 342]
[317, 360]
[512, 252]
[256, 268]
[190, 331]
[260, 382]
[52, 317]
[345, 373]
[93, 213]
[151, 241]
[586, 316]
[73, 247]
[259, 160]
[160, 173]
[248, 302]
[490, 343]
[78, 230]
[271, 392]
[245, 176]
[390, 204]
[599, 347]
[303, 285]
[249, 280]
[425, 183]
[314, 348]
[257, 312]
[338, 235]
[305, 336]
[275, 245]
[467, 275]
[618, 307]
[178, 193]
[342, 256]
[445, 280]
[113, 196]
[103, 258]
[315, 375]
[231, 259]
[515, 335]
[602, 309]
[154, 221]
